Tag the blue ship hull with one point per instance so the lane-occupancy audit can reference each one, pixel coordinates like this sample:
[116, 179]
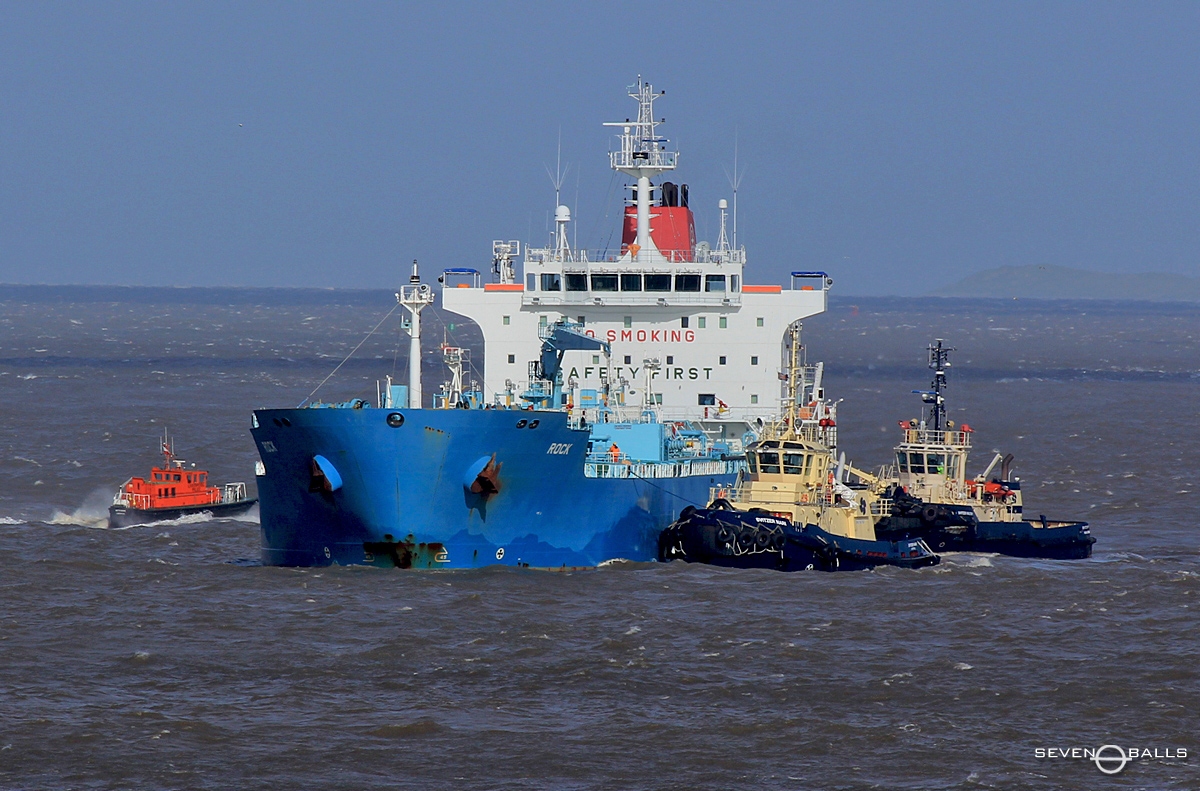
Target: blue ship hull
[400, 495]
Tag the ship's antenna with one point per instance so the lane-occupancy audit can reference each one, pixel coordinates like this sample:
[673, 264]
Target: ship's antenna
[735, 181]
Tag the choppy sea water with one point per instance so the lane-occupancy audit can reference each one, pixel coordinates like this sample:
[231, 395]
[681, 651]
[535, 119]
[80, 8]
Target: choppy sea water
[163, 656]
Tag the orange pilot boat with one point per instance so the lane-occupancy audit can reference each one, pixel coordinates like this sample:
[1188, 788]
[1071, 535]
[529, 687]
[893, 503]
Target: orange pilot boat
[174, 490]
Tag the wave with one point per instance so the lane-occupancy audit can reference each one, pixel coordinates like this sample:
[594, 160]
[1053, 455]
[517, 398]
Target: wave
[8, 520]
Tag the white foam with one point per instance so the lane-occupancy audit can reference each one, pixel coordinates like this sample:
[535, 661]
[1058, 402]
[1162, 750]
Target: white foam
[8, 520]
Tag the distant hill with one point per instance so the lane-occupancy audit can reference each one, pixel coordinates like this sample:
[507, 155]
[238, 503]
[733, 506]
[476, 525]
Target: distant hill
[1060, 282]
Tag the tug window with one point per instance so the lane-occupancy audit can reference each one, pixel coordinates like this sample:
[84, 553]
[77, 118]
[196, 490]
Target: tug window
[687, 282]
[631, 282]
[551, 282]
[935, 464]
[953, 467]
[752, 462]
[577, 283]
[793, 463]
[902, 461]
[658, 282]
[770, 462]
[916, 462]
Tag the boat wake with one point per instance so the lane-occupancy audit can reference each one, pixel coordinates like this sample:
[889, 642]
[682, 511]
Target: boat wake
[92, 513]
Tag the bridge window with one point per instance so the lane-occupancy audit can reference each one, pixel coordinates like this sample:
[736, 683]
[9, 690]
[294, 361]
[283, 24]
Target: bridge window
[902, 461]
[734, 283]
[631, 282]
[658, 282]
[604, 282]
[576, 282]
[954, 465]
[178, 477]
[531, 282]
[935, 464]
[793, 463]
[916, 462]
[687, 282]
[752, 461]
[714, 282]
[707, 399]
[552, 282]
[769, 462]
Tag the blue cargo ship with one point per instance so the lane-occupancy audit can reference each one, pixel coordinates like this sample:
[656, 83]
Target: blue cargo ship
[616, 388]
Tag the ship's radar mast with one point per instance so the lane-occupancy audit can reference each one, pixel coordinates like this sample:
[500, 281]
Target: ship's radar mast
[939, 361]
[643, 155]
[415, 297]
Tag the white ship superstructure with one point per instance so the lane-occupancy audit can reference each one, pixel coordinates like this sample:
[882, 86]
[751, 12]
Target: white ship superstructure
[690, 338]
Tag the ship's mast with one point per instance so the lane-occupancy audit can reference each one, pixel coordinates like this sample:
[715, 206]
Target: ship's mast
[939, 361]
[643, 156]
[415, 297]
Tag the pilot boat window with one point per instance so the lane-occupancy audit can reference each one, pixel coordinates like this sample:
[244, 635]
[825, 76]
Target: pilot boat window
[769, 461]
[793, 463]
[658, 282]
[916, 462]
[552, 282]
[935, 464]
[576, 282]
[902, 460]
[604, 282]
[752, 462]
[714, 282]
[687, 282]
[631, 282]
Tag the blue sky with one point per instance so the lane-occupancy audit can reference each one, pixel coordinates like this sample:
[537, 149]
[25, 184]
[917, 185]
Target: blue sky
[893, 145]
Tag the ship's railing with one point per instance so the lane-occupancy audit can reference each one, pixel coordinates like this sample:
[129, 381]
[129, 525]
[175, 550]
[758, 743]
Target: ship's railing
[681, 413]
[632, 298]
[702, 254]
[234, 492]
[672, 469]
[759, 496]
[922, 436]
[641, 159]
[130, 500]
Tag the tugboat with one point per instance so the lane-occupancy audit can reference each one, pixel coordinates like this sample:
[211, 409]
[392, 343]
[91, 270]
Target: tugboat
[791, 509]
[932, 498]
[172, 491]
